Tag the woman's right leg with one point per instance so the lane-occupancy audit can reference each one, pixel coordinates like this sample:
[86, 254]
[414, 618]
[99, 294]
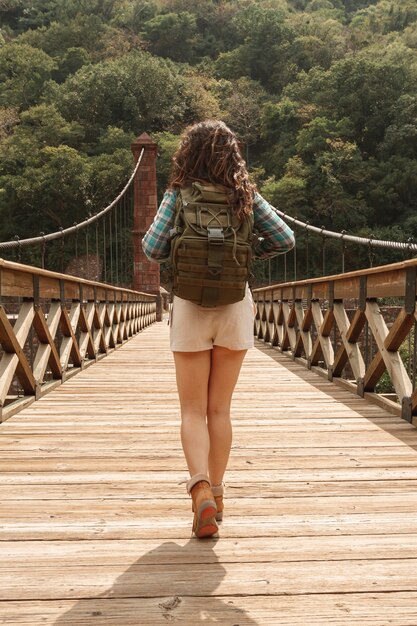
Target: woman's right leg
[224, 373]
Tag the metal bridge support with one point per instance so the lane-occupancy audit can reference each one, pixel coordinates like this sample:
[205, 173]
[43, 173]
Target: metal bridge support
[145, 273]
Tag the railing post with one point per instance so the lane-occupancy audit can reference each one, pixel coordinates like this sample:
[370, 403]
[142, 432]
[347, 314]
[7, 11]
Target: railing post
[145, 273]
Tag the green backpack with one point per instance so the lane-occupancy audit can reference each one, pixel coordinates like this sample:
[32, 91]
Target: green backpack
[211, 248]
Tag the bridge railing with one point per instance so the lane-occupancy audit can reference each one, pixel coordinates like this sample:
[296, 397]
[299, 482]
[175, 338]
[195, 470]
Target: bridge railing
[357, 329]
[53, 325]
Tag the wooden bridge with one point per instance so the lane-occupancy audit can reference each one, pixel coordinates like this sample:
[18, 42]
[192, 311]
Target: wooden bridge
[95, 525]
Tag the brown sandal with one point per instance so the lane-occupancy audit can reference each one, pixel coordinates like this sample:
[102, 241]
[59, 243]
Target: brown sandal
[204, 506]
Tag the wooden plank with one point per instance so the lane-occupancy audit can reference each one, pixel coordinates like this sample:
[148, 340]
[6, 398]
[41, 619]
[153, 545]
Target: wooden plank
[103, 552]
[110, 508]
[149, 526]
[53, 460]
[94, 489]
[372, 609]
[147, 581]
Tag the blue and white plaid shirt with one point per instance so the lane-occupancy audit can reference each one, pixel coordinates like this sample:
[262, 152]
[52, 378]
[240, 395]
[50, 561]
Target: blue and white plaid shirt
[275, 237]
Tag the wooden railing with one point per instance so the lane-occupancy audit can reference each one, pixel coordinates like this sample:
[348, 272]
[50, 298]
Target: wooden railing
[53, 325]
[339, 327]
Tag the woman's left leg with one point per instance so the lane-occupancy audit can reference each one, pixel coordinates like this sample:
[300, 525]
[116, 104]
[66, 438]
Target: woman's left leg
[192, 372]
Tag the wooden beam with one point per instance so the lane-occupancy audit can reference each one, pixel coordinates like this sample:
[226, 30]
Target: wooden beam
[304, 319]
[46, 352]
[392, 342]
[351, 349]
[69, 346]
[14, 360]
[356, 326]
[325, 341]
[392, 360]
[327, 323]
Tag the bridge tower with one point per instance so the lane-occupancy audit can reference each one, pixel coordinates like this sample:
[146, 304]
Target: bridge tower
[145, 273]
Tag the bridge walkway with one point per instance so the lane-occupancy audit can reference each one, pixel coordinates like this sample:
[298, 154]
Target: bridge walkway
[321, 519]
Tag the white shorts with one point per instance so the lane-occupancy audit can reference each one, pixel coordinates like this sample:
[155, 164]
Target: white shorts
[194, 328]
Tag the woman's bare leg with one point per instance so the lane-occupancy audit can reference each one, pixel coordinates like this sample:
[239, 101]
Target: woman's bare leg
[224, 372]
[193, 372]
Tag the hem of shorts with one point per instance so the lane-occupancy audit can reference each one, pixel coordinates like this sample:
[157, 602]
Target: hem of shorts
[246, 346]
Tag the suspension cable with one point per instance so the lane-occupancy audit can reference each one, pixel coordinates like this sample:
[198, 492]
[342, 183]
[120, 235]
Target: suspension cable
[375, 243]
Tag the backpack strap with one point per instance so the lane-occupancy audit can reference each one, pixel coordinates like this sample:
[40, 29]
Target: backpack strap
[215, 250]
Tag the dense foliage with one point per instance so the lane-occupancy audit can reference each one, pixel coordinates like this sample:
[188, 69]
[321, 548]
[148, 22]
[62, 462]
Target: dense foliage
[322, 92]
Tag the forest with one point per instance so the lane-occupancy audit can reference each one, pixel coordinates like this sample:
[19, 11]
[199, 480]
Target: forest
[322, 93]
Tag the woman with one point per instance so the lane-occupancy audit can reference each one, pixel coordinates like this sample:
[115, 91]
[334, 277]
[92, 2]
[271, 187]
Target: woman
[210, 343]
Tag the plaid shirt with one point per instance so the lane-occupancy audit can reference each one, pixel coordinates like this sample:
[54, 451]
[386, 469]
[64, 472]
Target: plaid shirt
[275, 237]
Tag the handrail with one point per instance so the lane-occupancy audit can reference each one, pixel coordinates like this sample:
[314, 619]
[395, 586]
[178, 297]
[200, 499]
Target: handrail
[38, 271]
[347, 276]
[308, 320]
[62, 324]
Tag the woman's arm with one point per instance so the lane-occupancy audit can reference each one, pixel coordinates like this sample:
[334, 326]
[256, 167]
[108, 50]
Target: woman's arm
[275, 237]
[156, 242]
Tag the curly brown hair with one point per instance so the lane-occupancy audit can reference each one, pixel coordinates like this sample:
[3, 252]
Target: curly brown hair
[209, 152]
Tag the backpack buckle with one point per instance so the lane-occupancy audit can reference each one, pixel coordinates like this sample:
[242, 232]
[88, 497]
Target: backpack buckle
[215, 235]
[215, 250]
[177, 230]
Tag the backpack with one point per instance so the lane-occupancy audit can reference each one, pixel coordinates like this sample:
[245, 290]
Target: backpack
[211, 248]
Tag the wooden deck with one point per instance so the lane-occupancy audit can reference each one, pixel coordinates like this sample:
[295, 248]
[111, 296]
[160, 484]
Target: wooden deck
[321, 518]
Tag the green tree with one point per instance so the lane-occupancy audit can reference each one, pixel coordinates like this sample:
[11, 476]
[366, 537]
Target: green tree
[171, 35]
[49, 193]
[401, 135]
[242, 102]
[352, 6]
[135, 92]
[112, 139]
[23, 73]
[10, 12]
[133, 14]
[167, 145]
[217, 28]
[57, 38]
[43, 12]
[263, 55]
[386, 16]
[289, 193]
[360, 88]
[108, 174]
